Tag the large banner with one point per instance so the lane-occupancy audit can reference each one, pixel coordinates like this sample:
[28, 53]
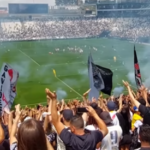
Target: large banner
[8, 83]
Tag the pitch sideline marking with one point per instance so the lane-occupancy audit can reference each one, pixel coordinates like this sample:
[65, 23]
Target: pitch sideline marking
[68, 86]
[29, 57]
[56, 77]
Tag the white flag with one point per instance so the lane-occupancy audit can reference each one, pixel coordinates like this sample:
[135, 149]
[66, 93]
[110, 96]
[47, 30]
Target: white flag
[8, 83]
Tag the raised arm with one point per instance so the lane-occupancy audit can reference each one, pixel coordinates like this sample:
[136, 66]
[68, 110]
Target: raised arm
[101, 125]
[120, 103]
[49, 107]
[55, 117]
[133, 100]
[10, 122]
[14, 126]
[144, 94]
[85, 96]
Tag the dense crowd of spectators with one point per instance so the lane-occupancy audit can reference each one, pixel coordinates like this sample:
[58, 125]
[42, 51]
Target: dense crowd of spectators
[128, 28]
[121, 123]
[115, 123]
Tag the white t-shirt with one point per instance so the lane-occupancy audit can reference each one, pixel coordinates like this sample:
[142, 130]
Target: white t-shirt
[114, 118]
[112, 139]
[60, 143]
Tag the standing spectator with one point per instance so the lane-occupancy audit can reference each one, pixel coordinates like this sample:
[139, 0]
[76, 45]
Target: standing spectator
[145, 137]
[77, 139]
[144, 110]
[112, 111]
[112, 139]
[30, 135]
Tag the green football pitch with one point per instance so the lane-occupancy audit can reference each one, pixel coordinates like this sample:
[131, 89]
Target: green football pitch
[35, 65]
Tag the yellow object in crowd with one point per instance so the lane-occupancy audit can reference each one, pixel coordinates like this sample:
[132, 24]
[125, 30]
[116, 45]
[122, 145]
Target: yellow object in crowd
[136, 117]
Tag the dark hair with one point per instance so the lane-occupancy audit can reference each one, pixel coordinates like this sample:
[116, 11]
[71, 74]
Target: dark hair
[145, 133]
[142, 101]
[92, 120]
[31, 136]
[77, 122]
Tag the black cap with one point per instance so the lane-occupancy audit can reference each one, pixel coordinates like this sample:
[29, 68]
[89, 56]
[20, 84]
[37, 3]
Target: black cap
[67, 114]
[105, 116]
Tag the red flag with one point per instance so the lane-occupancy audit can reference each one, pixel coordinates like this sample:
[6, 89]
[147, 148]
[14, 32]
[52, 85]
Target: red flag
[138, 78]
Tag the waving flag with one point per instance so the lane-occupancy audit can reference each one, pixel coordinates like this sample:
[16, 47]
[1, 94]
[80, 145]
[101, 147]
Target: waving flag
[8, 83]
[138, 78]
[100, 79]
[94, 82]
[106, 75]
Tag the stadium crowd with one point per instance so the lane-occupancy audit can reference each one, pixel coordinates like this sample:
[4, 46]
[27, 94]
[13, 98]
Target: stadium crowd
[107, 124]
[121, 123]
[127, 28]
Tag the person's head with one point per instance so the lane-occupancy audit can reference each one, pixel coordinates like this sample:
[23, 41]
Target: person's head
[142, 101]
[105, 116]
[76, 124]
[111, 106]
[145, 134]
[31, 136]
[94, 105]
[136, 110]
[91, 120]
[67, 114]
[125, 109]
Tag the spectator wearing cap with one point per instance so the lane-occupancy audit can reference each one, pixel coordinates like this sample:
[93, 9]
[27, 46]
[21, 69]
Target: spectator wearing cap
[112, 139]
[65, 118]
[77, 139]
[112, 111]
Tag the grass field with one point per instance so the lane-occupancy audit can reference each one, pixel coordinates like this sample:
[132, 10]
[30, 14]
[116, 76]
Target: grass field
[35, 64]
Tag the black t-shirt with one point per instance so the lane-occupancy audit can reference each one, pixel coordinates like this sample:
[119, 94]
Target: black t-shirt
[5, 128]
[124, 123]
[5, 145]
[88, 141]
[145, 111]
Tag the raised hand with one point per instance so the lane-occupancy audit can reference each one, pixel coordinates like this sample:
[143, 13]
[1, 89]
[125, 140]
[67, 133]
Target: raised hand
[18, 112]
[87, 92]
[91, 110]
[126, 84]
[52, 95]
